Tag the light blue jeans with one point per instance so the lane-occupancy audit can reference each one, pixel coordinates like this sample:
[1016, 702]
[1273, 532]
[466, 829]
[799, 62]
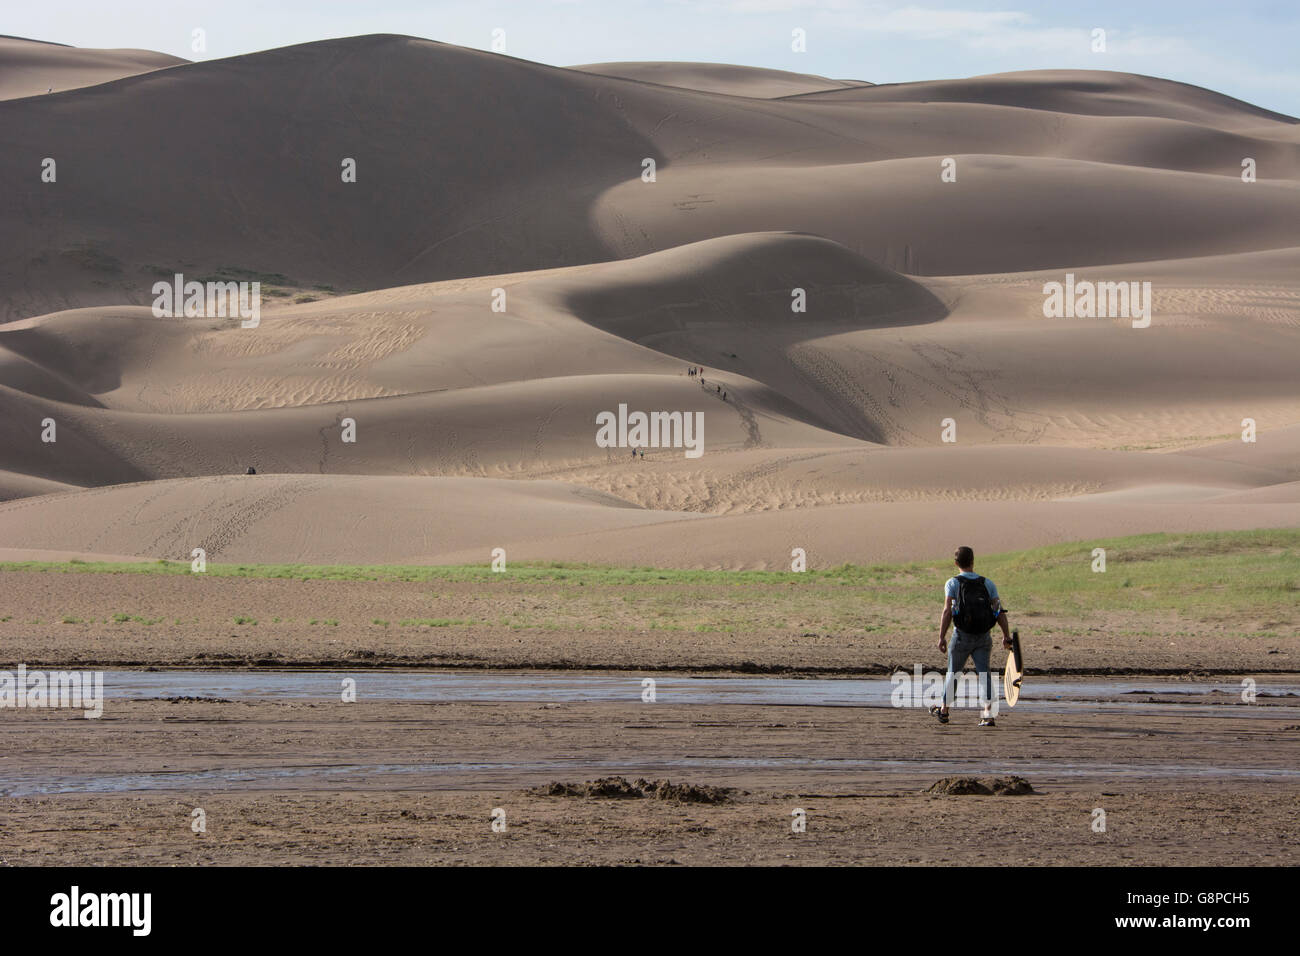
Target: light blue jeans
[977, 647]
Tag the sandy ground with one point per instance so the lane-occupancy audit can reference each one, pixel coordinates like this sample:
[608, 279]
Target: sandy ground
[1207, 816]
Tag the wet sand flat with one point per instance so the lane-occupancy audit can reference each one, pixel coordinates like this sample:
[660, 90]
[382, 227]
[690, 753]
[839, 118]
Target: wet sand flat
[415, 782]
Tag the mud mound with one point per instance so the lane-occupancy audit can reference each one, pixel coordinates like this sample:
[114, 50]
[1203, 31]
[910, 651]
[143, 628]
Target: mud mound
[981, 786]
[684, 792]
[618, 788]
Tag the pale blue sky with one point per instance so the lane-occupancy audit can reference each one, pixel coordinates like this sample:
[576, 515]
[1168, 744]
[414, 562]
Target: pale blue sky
[1243, 49]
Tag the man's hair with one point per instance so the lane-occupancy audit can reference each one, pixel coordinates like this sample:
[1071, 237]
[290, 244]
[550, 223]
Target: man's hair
[965, 557]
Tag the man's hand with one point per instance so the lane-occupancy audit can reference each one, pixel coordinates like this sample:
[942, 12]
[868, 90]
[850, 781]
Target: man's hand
[943, 645]
[1006, 642]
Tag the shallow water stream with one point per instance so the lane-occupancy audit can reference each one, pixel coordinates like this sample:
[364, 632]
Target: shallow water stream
[1138, 697]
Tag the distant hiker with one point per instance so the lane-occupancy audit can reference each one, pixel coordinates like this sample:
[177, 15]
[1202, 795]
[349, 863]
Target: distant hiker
[634, 453]
[251, 470]
[718, 388]
[724, 396]
[971, 605]
[643, 454]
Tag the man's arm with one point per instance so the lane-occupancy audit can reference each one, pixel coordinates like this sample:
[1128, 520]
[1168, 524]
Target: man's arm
[1002, 622]
[1006, 628]
[945, 622]
[1001, 613]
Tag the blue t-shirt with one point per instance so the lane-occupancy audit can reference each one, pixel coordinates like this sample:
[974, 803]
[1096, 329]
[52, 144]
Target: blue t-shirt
[952, 590]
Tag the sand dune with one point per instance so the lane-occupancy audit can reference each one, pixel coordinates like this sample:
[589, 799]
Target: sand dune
[1279, 450]
[1091, 92]
[527, 428]
[616, 317]
[721, 78]
[904, 500]
[1286, 493]
[319, 519]
[564, 185]
[876, 356]
[897, 211]
[797, 241]
[895, 531]
[14, 485]
[32, 67]
[409, 520]
[872, 357]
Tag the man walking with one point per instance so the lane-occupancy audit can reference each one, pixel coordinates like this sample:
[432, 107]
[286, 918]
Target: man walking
[970, 605]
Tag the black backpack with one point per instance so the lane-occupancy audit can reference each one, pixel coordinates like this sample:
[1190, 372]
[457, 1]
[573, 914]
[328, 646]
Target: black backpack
[974, 608]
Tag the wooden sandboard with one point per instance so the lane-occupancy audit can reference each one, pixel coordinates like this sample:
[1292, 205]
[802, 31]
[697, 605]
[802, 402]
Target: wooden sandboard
[1013, 672]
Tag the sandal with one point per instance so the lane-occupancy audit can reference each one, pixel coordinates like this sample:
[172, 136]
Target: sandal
[936, 712]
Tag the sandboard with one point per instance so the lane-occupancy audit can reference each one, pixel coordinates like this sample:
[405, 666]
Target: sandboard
[1013, 672]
